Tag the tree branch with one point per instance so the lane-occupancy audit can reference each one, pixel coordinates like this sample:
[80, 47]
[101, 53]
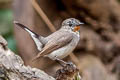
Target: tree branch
[12, 66]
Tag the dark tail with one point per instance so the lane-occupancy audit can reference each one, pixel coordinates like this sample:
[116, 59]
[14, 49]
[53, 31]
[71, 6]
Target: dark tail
[26, 29]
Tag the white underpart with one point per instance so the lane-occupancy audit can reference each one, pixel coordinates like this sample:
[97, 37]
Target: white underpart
[36, 40]
[61, 53]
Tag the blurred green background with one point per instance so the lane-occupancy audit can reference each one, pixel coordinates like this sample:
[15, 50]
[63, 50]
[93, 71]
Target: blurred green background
[6, 23]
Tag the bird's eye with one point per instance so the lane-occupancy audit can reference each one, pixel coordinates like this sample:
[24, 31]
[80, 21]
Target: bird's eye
[70, 24]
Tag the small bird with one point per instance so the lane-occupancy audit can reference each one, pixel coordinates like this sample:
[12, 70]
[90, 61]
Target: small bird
[59, 44]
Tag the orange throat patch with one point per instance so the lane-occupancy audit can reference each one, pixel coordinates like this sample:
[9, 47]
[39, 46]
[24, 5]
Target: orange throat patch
[76, 28]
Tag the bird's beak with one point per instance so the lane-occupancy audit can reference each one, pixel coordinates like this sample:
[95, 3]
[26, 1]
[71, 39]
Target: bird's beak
[76, 28]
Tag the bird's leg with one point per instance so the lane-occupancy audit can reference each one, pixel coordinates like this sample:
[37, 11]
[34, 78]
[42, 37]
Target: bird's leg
[61, 62]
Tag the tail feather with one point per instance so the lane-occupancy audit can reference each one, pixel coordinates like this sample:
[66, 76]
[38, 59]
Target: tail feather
[37, 39]
[26, 29]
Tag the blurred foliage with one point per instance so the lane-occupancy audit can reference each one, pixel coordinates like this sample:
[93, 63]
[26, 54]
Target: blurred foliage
[5, 21]
[6, 27]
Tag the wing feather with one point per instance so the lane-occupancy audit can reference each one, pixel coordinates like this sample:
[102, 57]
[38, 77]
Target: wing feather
[54, 44]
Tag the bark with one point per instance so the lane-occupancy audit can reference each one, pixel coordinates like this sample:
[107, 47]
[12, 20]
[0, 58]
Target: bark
[12, 66]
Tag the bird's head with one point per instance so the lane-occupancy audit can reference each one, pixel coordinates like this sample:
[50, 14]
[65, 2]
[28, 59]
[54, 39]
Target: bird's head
[72, 24]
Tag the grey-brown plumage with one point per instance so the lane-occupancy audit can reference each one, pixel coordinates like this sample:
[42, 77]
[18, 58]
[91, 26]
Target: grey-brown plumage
[60, 43]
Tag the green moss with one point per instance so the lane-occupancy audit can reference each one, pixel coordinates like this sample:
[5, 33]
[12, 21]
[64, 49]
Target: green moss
[6, 27]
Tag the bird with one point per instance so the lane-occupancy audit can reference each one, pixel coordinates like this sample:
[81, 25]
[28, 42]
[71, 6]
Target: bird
[59, 44]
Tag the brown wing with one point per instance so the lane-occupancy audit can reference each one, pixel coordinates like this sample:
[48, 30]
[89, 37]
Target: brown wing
[54, 44]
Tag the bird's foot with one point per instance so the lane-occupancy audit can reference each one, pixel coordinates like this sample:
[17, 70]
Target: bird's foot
[63, 63]
[68, 72]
